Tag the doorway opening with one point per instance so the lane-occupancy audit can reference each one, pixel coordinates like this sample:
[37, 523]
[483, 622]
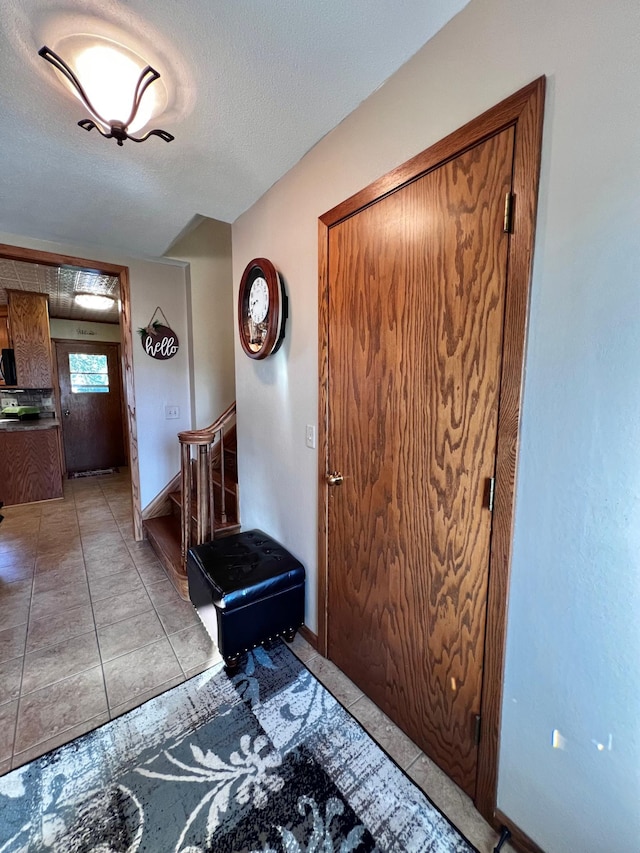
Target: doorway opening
[120, 275]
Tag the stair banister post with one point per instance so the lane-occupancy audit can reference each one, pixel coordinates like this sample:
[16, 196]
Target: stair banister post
[203, 475]
[223, 498]
[185, 513]
[212, 507]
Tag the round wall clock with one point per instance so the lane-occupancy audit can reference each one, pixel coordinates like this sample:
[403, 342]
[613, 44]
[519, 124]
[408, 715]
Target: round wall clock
[262, 309]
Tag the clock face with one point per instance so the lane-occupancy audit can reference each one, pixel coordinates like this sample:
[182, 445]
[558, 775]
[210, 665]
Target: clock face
[258, 300]
[262, 309]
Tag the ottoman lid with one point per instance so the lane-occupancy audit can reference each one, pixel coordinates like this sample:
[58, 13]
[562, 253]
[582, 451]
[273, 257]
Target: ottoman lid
[246, 567]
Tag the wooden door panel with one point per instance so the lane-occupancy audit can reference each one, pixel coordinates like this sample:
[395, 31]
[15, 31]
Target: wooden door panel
[416, 304]
[92, 432]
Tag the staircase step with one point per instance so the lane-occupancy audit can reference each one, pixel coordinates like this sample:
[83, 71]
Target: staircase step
[231, 506]
[164, 534]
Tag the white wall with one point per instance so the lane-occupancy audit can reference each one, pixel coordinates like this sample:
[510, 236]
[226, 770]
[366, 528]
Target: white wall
[573, 652]
[207, 250]
[157, 383]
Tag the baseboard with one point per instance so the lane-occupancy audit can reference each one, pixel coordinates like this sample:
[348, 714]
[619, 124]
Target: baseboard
[309, 636]
[161, 504]
[519, 839]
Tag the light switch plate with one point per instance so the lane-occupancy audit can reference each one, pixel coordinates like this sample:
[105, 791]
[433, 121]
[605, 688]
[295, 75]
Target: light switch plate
[171, 412]
[310, 436]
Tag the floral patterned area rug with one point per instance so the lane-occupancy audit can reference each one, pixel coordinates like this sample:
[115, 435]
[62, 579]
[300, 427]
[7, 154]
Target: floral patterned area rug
[264, 762]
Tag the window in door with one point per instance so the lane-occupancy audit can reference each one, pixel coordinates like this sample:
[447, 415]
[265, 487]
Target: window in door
[89, 373]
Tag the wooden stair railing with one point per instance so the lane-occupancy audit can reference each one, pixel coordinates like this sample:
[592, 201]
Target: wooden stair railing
[207, 502]
[203, 441]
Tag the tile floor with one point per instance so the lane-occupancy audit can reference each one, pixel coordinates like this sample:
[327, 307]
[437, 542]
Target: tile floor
[90, 627]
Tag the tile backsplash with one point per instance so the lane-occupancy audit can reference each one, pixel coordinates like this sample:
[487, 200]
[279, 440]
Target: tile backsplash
[41, 397]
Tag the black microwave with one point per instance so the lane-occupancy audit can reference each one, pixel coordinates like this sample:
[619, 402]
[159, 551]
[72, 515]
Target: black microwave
[8, 367]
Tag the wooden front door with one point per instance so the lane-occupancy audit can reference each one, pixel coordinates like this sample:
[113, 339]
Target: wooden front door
[91, 405]
[417, 287]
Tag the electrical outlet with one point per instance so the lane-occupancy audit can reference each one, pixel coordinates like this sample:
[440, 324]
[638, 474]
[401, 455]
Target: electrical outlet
[310, 435]
[171, 412]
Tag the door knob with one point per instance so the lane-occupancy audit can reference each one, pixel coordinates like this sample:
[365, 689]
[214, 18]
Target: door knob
[66, 412]
[334, 479]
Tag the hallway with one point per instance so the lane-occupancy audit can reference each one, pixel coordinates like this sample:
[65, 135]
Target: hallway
[90, 625]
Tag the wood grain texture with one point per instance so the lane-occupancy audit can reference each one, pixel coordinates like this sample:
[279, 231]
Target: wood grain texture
[164, 536]
[92, 431]
[126, 335]
[417, 284]
[323, 437]
[29, 466]
[55, 259]
[31, 338]
[4, 333]
[524, 112]
[526, 176]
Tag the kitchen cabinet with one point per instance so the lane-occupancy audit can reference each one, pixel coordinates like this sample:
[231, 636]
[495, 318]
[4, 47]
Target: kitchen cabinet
[31, 338]
[4, 332]
[30, 468]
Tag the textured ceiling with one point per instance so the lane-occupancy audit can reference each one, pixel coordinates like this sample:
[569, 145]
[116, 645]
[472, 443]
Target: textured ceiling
[61, 284]
[252, 85]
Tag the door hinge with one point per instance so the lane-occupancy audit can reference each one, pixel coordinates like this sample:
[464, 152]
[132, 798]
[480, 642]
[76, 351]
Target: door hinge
[508, 213]
[476, 729]
[492, 494]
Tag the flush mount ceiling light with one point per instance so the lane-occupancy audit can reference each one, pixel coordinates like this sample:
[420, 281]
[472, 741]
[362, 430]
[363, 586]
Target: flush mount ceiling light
[108, 72]
[94, 300]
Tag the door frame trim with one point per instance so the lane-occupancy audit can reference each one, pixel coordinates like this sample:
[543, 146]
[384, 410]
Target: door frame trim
[52, 259]
[524, 111]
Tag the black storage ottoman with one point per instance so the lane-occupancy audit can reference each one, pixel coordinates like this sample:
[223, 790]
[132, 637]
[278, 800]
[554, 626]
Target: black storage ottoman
[255, 586]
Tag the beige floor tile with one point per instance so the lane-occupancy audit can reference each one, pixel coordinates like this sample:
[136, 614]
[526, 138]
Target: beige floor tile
[142, 549]
[16, 562]
[59, 560]
[175, 617]
[10, 676]
[59, 528]
[202, 667]
[59, 599]
[163, 593]
[13, 641]
[140, 671]
[400, 747]
[8, 715]
[66, 736]
[345, 691]
[457, 806]
[104, 586]
[45, 581]
[129, 634]
[5, 766]
[20, 572]
[14, 610]
[194, 647]
[52, 710]
[140, 698]
[54, 663]
[119, 607]
[97, 544]
[60, 627]
[151, 573]
[110, 562]
[16, 590]
[303, 650]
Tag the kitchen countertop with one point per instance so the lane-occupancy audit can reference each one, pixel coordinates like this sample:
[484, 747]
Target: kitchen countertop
[21, 426]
